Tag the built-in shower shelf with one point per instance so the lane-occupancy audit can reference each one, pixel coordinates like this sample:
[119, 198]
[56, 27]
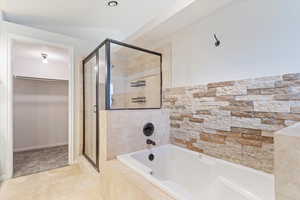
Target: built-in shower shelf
[138, 100]
[140, 83]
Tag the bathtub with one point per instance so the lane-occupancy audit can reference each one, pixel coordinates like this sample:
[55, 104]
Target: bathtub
[188, 175]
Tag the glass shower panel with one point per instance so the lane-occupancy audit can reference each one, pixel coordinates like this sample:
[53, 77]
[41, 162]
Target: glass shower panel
[102, 77]
[135, 78]
[90, 109]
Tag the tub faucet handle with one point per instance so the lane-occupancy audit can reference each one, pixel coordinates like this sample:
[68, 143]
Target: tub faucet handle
[148, 141]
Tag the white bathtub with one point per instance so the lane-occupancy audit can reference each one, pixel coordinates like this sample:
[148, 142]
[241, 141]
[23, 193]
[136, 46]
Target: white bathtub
[187, 175]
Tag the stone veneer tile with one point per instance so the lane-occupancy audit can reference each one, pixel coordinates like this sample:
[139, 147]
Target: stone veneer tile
[210, 92]
[261, 84]
[295, 106]
[220, 112]
[203, 112]
[220, 84]
[255, 98]
[289, 77]
[254, 123]
[246, 122]
[273, 121]
[217, 122]
[231, 90]
[288, 116]
[228, 151]
[206, 99]
[176, 117]
[287, 97]
[272, 106]
[213, 138]
[196, 120]
[293, 83]
[268, 91]
[258, 158]
[295, 109]
[268, 78]
[239, 106]
[234, 120]
[212, 103]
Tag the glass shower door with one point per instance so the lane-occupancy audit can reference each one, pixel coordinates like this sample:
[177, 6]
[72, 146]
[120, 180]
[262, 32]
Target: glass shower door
[91, 113]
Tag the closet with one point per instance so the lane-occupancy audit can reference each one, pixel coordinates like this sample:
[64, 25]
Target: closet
[40, 108]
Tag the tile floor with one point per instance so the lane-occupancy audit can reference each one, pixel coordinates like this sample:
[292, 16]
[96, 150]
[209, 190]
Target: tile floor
[33, 161]
[76, 182]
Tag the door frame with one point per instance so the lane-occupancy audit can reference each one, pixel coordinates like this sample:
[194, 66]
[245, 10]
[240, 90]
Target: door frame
[94, 54]
[71, 97]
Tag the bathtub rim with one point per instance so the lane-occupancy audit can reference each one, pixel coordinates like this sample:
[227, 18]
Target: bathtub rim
[132, 163]
[202, 155]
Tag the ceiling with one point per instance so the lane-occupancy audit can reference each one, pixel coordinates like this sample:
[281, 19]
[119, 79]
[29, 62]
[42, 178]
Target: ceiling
[169, 24]
[88, 19]
[28, 50]
[27, 60]
[93, 20]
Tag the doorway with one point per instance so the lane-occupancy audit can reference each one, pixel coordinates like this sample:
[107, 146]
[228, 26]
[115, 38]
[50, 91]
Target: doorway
[41, 106]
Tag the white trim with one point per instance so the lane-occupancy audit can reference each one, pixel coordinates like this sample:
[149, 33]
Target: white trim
[10, 149]
[39, 147]
[71, 106]
[3, 105]
[71, 142]
[3, 177]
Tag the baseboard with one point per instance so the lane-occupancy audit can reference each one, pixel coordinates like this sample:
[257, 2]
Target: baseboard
[4, 177]
[39, 147]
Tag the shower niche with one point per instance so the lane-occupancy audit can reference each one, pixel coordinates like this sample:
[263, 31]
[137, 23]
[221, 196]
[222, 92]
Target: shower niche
[117, 76]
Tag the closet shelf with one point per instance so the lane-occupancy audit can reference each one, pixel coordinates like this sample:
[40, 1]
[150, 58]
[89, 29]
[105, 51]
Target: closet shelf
[37, 79]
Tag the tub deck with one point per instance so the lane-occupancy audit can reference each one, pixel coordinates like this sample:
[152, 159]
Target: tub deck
[188, 175]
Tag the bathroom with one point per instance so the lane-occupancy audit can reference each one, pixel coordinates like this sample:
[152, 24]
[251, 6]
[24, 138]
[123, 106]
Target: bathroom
[192, 100]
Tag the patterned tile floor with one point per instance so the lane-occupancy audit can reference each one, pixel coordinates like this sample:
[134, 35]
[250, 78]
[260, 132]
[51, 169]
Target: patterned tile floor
[33, 161]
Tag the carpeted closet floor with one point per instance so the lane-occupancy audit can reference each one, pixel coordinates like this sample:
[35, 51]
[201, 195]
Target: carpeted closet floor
[33, 161]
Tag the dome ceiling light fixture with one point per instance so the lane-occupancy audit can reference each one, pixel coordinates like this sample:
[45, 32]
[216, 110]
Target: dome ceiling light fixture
[112, 3]
[44, 58]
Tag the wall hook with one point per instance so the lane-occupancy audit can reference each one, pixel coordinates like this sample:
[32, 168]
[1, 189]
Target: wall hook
[217, 43]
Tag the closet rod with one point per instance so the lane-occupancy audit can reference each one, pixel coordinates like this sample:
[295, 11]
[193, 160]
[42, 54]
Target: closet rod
[37, 79]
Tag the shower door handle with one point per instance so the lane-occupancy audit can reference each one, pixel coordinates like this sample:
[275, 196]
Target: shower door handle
[95, 108]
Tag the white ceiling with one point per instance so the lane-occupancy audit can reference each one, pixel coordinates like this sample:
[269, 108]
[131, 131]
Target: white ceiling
[28, 50]
[93, 20]
[27, 60]
[168, 24]
[86, 19]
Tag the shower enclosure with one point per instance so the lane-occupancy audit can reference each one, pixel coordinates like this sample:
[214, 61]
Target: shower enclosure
[117, 76]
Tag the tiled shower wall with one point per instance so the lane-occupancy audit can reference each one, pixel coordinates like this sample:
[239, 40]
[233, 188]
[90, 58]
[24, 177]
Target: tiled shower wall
[234, 120]
[125, 130]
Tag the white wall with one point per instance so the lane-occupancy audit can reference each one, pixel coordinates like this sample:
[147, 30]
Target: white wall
[27, 60]
[40, 114]
[3, 107]
[35, 68]
[81, 49]
[259, 38]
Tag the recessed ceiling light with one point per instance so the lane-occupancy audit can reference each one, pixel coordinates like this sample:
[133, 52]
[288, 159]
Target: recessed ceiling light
[112, 3]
